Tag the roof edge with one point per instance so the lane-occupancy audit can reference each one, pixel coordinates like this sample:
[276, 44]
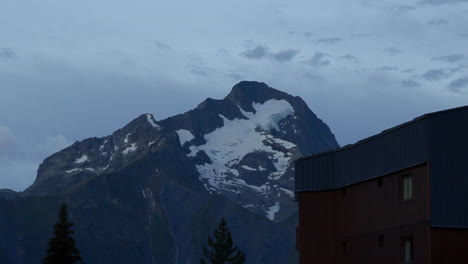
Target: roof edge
[384, 132]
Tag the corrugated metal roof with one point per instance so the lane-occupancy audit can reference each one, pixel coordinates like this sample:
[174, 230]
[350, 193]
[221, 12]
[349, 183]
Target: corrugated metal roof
[389, 152]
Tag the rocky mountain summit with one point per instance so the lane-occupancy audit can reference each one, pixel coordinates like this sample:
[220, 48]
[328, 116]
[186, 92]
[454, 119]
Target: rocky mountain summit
[153, 190]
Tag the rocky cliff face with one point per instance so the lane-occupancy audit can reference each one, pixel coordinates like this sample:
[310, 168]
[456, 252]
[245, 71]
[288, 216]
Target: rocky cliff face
[153, 190]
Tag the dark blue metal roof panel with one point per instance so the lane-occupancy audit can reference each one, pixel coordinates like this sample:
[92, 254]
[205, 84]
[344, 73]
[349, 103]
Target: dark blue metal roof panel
[392, 151]
[448, 163]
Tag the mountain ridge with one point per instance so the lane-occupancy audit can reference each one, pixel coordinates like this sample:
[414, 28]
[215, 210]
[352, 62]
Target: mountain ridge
[230, 157]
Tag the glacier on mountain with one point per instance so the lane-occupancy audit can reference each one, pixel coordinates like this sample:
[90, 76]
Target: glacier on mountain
[227, 145]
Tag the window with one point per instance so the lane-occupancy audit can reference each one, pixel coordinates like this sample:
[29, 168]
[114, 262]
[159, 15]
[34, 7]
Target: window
[406, 192]
[381, 240]
[344, 247]
[407, 250]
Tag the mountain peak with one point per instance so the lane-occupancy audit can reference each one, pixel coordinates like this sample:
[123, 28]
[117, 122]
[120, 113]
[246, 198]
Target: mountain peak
[249, 88]
[245, 93]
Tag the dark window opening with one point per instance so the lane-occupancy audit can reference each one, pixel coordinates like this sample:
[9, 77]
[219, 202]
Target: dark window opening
[381, 241]
[343, 192]
[344, 247]
[406, 187]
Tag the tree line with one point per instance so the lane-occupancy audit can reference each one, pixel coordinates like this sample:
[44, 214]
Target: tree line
[62, 247]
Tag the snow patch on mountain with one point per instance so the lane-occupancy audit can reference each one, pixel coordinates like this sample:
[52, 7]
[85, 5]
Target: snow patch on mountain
[288, 192]
[245, 167]
[80, 169]
[126, 138]
[73, 170]
[228, 144]
[184, 136]
[132, 147]
[103, 145]
[151, 121]
[272, 211]
[81, 159]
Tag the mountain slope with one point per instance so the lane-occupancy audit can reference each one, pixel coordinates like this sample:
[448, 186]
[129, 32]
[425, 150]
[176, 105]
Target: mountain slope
[153, 190]
[243, 146]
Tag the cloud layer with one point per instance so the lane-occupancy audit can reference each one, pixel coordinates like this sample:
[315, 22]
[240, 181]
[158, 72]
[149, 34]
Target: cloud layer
[86, 68]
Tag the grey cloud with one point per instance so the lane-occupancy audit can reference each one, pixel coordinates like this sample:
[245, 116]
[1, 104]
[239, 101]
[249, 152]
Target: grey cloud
[308, 34]
[235, 76]
[348, 57]
[284, 55]
[410, 70]
[291, 32]
[399, 9]
[199, 70]
[8, 142]
[458, 84]
[392, 51]
[319, 59]
[314, 77]
[328, 41]
[7, 53]
[437, 22]
[223, 52]
[450, 58]
[410, 83]
[261, 52]
[455, 69]
[435, 74]
[248, 43]
[162, 46]
[387, 68]
[361, 35]
[256, 53]
[197, 66]
[441, 2]
[464, 35]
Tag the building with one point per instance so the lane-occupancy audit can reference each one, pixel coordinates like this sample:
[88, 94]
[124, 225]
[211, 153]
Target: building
[400, 196]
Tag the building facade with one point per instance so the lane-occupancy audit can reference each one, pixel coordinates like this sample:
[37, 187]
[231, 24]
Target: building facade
[398, 197]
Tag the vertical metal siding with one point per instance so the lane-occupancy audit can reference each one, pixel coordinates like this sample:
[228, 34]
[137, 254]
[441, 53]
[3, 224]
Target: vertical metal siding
[449, 168]
[315, 174]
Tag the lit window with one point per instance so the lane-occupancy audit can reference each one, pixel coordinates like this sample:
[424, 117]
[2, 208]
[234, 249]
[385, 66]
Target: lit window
[406, 187]
[407, 250]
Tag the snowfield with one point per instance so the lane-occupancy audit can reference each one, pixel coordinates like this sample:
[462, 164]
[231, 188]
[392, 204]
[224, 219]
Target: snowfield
[184, 136]
[227, 145]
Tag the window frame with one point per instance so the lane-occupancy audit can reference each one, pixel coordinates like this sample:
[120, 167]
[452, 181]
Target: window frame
[406, 259]
[406, 187]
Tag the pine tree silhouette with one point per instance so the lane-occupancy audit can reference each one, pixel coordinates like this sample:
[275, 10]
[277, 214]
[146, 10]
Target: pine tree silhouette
[222, 250]
[62, 249]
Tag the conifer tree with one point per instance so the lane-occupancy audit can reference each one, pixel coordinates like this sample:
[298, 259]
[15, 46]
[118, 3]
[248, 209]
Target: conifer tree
[222, 249]
[62, 249]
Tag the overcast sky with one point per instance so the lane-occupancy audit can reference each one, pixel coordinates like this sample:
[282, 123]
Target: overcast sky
[80, 68]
